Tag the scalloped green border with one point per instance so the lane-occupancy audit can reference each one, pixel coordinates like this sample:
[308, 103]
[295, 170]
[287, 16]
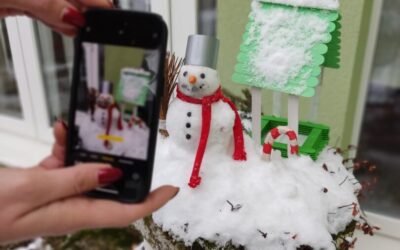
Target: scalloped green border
[244, 72]
[332, 57]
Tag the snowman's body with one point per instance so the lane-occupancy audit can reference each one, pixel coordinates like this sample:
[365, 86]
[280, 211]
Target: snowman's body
[184, 123]
[184, 119]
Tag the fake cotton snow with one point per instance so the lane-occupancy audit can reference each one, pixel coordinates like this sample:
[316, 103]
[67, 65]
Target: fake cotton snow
[285, 39]
[320, 4]
[259, 205]
[37, 244]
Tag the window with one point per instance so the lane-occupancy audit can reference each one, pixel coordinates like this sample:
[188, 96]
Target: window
[56, 60]
[380, 134]
[207, 17]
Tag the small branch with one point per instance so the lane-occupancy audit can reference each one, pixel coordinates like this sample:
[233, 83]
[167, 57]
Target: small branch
[344, 181]
[264, 235]
[234, 208]
[352, 204]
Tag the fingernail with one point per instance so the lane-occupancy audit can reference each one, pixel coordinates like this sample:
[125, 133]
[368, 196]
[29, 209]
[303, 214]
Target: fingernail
[111, 2]
[73, 17]
[177, 192]
[63, 123]
[109, 175]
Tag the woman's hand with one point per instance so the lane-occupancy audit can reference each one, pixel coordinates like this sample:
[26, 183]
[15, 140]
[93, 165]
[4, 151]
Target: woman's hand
[47, 201]
[63, 16]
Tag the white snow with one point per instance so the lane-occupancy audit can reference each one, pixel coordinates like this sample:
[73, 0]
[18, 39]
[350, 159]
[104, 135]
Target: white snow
[286, 37]
[320, 4]
[134, 139]
[284, 198]
[37, 244]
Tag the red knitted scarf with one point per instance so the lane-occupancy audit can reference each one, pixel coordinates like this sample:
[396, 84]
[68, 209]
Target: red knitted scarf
[239, 153]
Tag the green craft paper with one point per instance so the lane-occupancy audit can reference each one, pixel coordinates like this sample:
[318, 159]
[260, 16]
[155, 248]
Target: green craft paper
[332, 57]
[324, 53]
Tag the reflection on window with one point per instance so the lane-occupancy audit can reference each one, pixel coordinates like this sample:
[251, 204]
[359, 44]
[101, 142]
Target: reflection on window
[56, 55]
[207, 18]
[9, 98]
[380, 135]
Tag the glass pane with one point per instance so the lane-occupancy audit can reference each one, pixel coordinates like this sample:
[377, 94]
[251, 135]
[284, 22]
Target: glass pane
[9, 98]
[380, 135]
[140, 5]
[56, 55]
[207, 17]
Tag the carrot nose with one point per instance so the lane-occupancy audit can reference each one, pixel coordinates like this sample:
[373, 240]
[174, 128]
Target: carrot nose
[192, 80]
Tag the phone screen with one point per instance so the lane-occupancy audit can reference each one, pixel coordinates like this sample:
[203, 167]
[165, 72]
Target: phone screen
[115, 103]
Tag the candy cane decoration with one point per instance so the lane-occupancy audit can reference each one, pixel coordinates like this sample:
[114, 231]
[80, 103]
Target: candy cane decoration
[274, 134]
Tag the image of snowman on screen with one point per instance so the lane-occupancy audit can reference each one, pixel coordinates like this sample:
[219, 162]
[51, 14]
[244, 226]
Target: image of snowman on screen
[102, 129]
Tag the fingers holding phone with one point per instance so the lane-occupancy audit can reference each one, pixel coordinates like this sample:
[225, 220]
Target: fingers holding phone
[50, 203]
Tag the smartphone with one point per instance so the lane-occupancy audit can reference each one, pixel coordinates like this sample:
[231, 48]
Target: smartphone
[115, 98]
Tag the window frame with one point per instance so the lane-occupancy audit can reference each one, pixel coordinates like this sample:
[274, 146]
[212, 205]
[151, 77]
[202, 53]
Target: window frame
[23, 126]
[36, 82]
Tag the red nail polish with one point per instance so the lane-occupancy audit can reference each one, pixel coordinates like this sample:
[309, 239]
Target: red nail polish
[73, 17]
[63, 123]
[109, 175]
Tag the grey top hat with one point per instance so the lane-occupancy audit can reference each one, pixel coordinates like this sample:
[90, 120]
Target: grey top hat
[202, 50]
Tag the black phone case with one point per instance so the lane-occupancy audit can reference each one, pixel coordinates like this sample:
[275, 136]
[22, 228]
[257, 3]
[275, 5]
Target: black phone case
[136, 182]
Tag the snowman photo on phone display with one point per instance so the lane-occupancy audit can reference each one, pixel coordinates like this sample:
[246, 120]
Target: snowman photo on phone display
[109, 120]
[105, 133]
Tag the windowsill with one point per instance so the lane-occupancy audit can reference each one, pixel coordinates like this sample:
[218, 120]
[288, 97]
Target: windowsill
[389, 226]
[387, 237]
[21, 151]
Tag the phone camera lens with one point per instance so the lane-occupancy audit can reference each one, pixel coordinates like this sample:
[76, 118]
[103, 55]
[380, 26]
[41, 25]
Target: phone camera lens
[88, 29]
[121, 32]
[155, 35]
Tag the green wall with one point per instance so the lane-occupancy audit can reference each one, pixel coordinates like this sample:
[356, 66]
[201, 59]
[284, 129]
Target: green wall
[117, 58]
[340, 87]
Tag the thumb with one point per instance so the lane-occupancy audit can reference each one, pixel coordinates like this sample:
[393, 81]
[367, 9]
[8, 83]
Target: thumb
[72, 181]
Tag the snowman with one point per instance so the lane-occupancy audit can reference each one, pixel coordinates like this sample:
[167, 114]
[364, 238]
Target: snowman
[103, 132]
[201, 116]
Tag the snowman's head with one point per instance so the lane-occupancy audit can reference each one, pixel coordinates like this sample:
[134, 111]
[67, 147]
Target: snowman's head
[198, 81]
[104, 100]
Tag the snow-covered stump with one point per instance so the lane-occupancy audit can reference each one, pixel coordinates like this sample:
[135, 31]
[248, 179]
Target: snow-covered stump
[294, 203]
[161, 240]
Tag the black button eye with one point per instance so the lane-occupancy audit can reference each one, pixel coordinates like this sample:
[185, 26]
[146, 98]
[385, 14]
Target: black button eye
[202, 76]
[185, 73]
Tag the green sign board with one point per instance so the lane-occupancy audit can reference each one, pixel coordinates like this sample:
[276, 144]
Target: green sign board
[284, 47]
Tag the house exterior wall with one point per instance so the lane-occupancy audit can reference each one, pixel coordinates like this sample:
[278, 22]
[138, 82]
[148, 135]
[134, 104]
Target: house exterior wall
[340, 87]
